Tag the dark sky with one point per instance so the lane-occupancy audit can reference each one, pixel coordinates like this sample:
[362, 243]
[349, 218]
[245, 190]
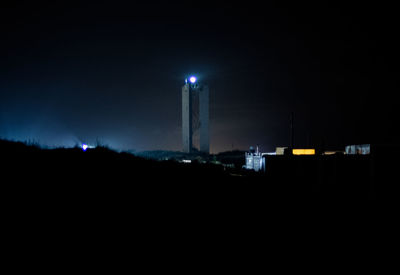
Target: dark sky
[112, 71]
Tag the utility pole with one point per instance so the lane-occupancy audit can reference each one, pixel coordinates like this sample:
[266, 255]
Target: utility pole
[292, 129]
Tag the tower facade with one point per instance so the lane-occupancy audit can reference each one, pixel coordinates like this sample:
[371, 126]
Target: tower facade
[195, 115]
[187, 118]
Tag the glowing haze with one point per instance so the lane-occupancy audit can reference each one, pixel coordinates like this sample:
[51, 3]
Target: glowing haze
[110, 72]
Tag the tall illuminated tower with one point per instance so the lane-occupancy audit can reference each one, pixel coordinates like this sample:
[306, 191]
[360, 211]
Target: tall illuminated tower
[195, 115]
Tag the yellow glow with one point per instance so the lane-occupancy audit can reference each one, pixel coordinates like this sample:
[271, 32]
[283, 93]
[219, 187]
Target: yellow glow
[303, 151]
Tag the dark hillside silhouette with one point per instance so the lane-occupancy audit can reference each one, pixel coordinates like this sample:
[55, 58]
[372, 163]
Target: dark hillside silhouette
[101, 174]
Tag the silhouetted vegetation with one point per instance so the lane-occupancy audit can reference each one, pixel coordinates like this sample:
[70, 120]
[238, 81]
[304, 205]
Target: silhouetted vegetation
[103, 174]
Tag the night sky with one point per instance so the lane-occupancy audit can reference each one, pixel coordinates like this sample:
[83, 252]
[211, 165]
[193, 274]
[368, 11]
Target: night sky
[112, 71]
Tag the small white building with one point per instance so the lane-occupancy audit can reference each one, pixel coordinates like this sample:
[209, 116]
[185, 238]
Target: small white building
[362, 149]
[255, 160]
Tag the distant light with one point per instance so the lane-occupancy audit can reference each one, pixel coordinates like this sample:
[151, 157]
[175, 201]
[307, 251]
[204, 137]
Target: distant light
[192, 79]
[303, 151]
[186, 161]
[84, 147]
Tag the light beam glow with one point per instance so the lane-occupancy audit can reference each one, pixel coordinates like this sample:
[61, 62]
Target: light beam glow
[192, 79]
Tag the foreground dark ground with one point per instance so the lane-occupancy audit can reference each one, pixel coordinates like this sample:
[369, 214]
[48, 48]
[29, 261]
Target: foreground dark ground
[102, 175]
[100, 204]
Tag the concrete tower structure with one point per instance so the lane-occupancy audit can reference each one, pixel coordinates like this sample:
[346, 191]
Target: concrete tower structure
[195, 115]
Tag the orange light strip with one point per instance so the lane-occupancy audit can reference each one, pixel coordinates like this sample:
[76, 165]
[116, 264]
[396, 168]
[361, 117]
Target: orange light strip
[303, 151]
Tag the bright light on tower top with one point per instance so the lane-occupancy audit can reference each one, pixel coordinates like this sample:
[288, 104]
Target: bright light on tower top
[192, 79]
